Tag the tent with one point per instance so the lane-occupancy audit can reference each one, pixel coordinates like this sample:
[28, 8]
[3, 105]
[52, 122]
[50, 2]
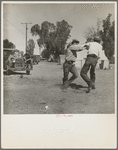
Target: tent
[103, 62]
[81, 57]
[61, 59]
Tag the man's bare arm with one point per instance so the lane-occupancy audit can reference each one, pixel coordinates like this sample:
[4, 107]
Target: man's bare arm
[77, 48]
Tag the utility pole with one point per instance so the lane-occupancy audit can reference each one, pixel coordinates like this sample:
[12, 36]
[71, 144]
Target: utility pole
[26, 32]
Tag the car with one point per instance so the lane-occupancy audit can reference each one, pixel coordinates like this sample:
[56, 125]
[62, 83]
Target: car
[13, 61]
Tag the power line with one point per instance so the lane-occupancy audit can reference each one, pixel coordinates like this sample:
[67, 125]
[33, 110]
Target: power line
[10, 13]
[22, 13]
[13, 25]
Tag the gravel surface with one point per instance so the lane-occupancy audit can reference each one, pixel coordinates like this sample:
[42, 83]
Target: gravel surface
[41, 92]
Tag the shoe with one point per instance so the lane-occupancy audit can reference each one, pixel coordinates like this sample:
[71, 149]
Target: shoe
[89, 89]
[64, 89]
[93, 87]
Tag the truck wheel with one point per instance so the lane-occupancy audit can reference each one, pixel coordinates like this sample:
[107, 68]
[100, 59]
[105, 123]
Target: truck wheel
[27, 72]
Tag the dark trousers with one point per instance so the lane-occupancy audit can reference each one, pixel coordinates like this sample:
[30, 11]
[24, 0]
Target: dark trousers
[69, 67]
[30, 62]
[9, 63]
[90, 63]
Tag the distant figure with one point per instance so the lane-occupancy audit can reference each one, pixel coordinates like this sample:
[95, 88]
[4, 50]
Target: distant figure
[69, 66]
[10, 61]
[94, 50]
[13, 62]
[27, 58]
[51, 58]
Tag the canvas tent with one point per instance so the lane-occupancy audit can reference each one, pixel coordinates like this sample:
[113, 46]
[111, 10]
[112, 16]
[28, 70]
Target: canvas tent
[81, 56]
[61, 59]
[103, 62]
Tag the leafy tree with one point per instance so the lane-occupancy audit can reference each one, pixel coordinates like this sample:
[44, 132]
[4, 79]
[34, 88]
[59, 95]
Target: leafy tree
[52, 37]
[106, 34]
[91, 32]
[31, 46]
[7, 44]
[44, 53]
[108, 37]
[62, 35]
[45, 35]
[35, 30]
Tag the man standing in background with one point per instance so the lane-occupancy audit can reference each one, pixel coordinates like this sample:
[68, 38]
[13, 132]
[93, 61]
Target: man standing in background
[94, 49]
[27, 59]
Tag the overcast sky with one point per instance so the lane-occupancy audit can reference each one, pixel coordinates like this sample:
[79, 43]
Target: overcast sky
[79, 15]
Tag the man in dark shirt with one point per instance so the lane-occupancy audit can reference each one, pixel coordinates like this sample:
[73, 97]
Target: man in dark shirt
[27, 58]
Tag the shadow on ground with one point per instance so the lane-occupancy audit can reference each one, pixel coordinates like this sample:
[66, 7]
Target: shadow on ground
[14, 73]
[75, 86]
[72, 85]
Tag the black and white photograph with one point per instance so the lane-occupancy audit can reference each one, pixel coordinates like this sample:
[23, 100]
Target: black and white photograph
[59, 59]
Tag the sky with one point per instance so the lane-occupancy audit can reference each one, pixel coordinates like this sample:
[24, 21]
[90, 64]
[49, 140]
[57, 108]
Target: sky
[79, 15]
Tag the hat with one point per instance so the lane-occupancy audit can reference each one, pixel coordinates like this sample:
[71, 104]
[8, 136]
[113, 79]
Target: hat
[75, 41]
[97, 39]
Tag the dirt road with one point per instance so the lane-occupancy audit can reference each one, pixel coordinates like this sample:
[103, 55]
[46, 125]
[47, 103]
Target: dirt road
[41, 93]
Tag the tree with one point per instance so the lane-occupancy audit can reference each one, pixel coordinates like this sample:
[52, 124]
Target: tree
[108, 37]
[52, 37]
[45, 33]
[35, 30]
[91, 32]
[63, 30]
[106, 34]
[7, 44]
[31, 46]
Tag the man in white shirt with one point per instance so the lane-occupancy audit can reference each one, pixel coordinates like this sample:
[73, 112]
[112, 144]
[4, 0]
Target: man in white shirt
[69, 66]
[94, 50]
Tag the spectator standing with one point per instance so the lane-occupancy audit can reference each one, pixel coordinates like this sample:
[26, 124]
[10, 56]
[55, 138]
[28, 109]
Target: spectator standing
[27, 58]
